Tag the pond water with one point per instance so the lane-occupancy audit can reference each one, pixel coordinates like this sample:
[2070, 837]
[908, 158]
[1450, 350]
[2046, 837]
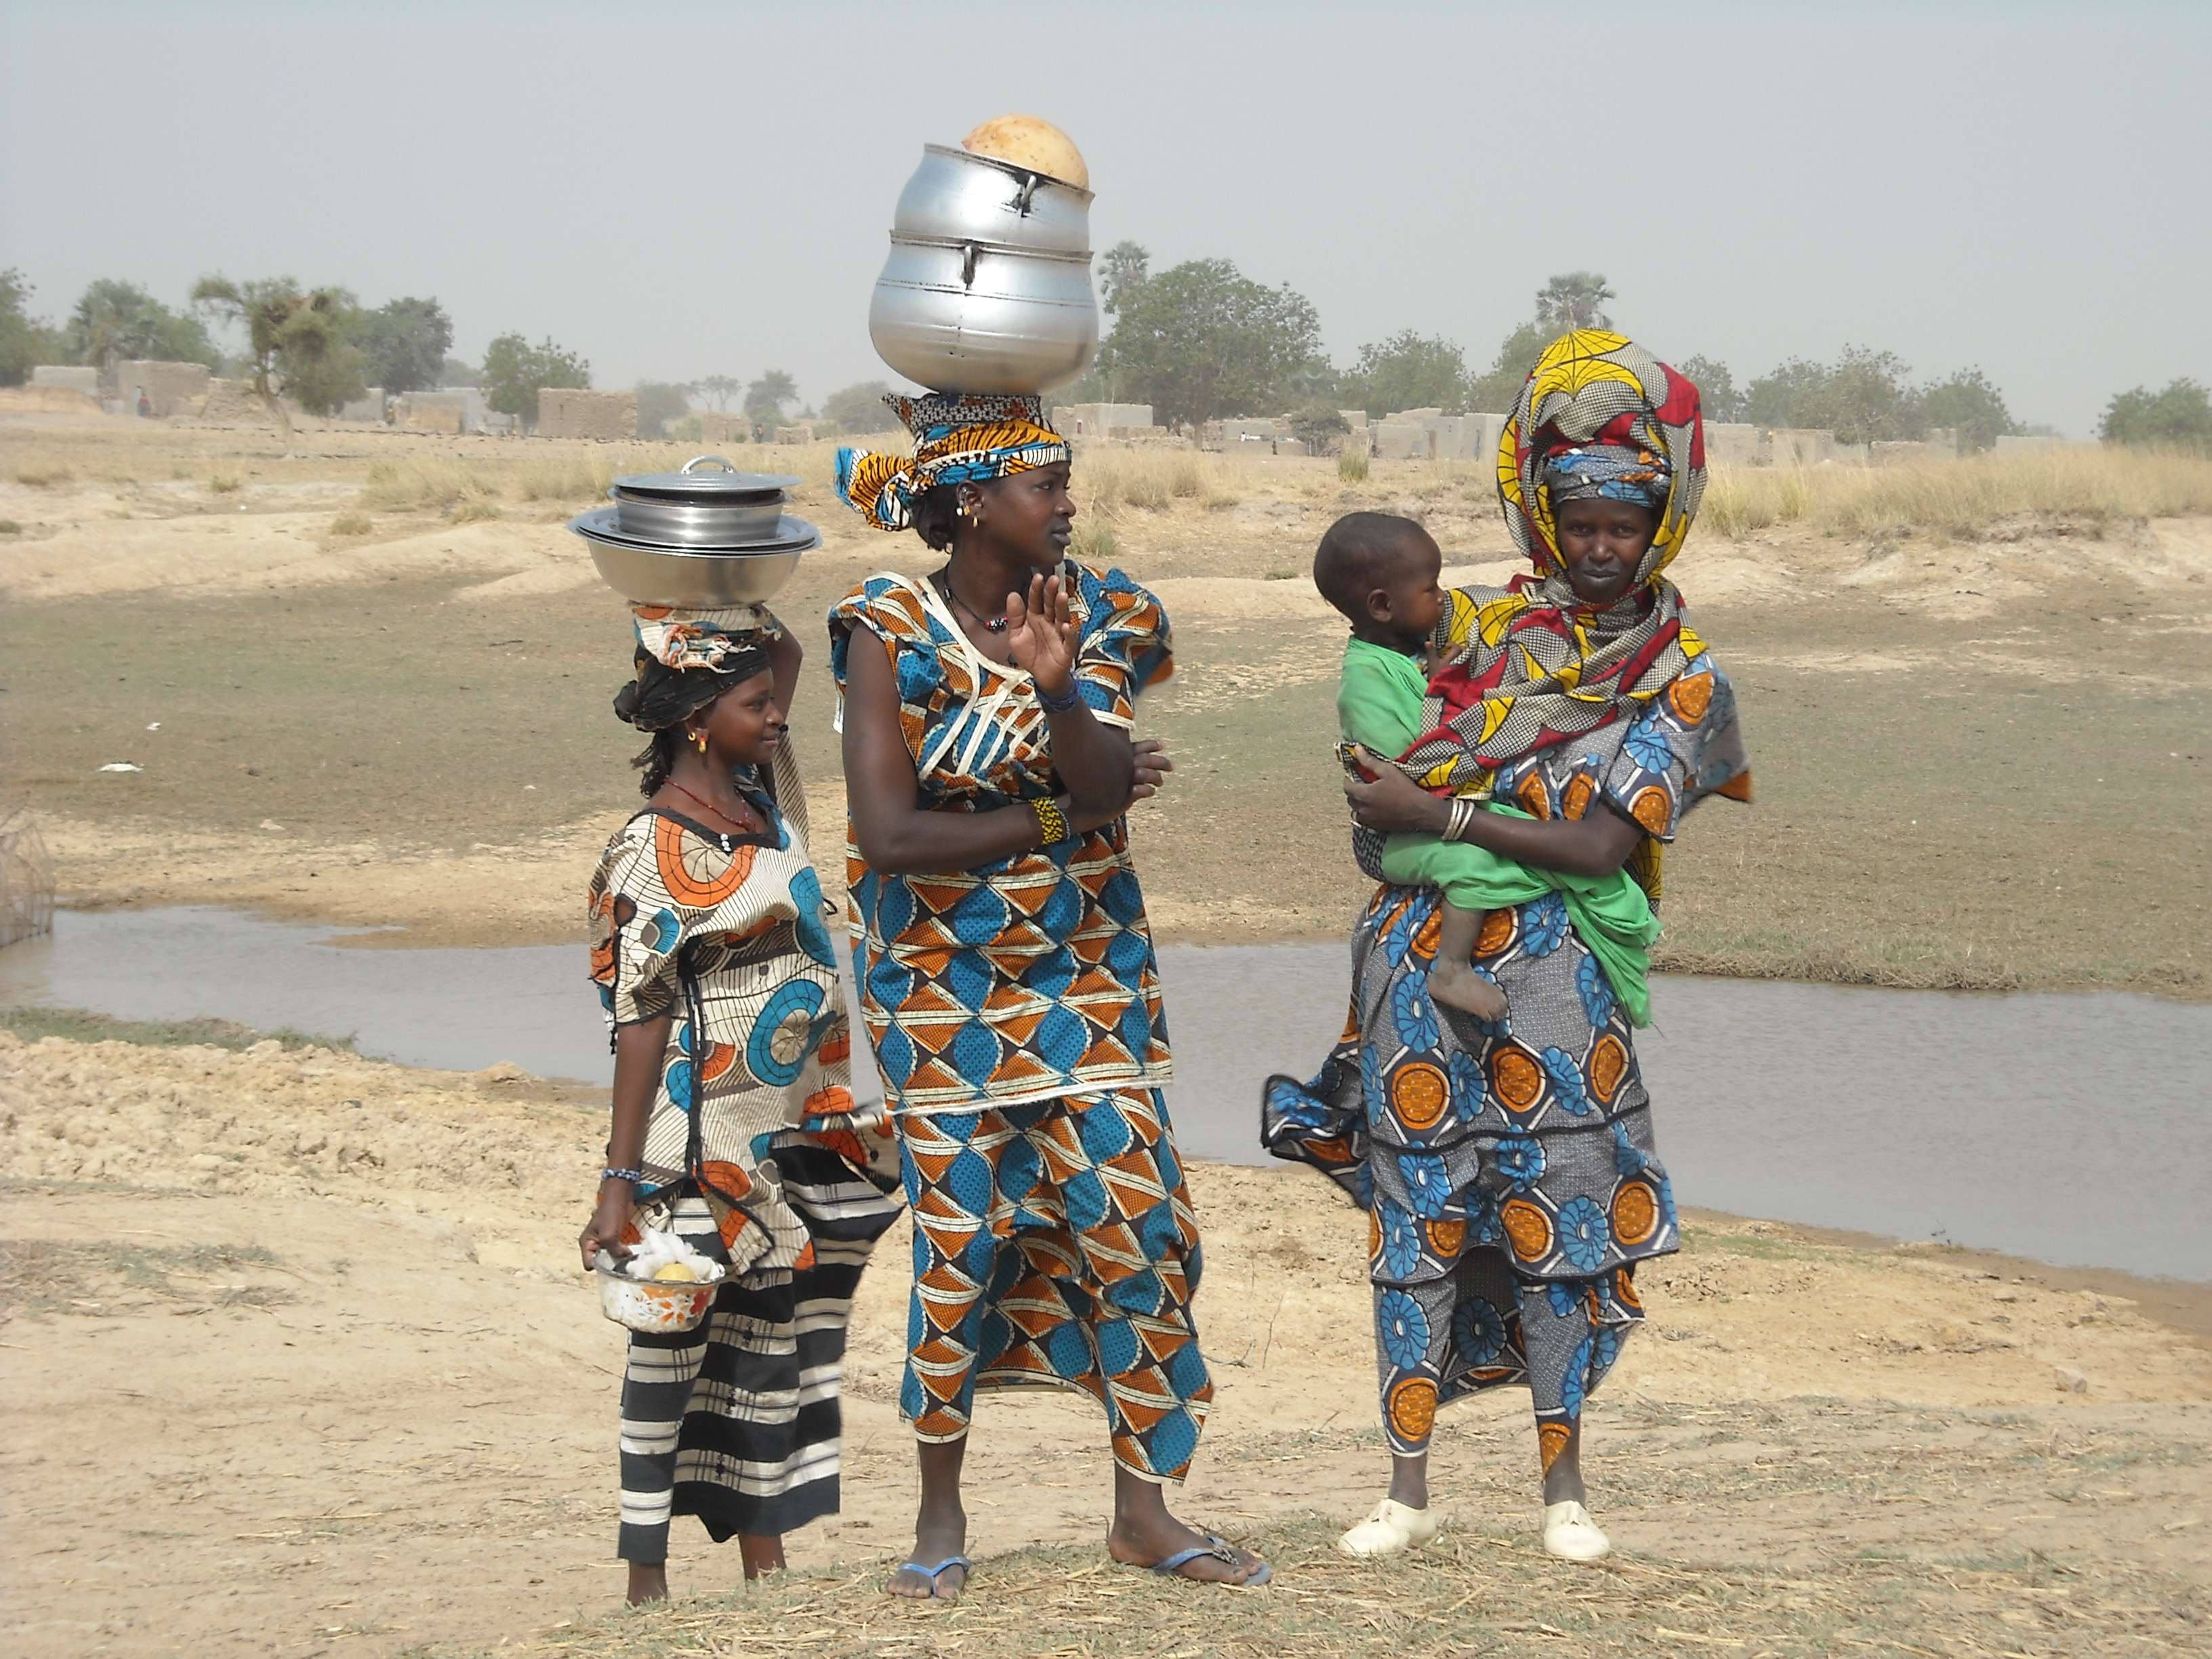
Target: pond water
[2070, 1128]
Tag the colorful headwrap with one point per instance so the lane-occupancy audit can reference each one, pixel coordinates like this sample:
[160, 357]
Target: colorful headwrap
[678, 637]
[959, 437]
[1611, 472]
[1530, 664]
[1592, 392]
[686, 658]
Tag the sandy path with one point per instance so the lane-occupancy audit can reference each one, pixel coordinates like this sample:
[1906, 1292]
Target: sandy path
[295, 1357]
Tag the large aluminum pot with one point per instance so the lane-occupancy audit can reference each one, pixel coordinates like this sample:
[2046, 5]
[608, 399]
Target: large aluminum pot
[972, 316]
[723, 508]
[961, 197]
[644, 574]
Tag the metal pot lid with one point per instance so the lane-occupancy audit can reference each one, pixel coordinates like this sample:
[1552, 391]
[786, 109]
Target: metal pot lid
[791, 535]
[707, 488]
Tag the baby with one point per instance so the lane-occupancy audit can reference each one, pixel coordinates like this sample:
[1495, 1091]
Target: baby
[1380, 571]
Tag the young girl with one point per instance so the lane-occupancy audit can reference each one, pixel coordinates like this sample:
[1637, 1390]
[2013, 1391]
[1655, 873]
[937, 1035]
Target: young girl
[733, 1124]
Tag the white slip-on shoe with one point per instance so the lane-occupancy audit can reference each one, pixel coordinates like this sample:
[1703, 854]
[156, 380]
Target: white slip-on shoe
[1570, 1534]
[1391, 1529]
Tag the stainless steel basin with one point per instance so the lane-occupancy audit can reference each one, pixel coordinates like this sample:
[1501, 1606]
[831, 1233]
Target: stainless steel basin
[974, 316]
[958, 196]
[646, 575]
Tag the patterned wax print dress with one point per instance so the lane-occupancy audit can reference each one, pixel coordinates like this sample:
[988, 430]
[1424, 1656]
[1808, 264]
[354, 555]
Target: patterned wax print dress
[755, 1151]
[1509, 1171]
[1015, 1011]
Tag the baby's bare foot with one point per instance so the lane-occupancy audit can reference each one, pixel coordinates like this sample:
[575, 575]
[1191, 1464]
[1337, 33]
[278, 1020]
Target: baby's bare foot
[1456, 984]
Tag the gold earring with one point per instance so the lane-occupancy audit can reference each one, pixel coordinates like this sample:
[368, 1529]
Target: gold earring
[700, 738]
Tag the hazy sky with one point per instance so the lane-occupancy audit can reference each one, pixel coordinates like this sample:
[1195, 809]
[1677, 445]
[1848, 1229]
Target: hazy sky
[679, 190]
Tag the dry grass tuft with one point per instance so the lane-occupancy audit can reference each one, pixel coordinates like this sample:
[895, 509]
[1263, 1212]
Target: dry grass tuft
[2091, 488]
[222, 482]
[423, 482]
[352, 522]
[1147, 481]
[1093, 542]
[1352, 466]
[43, 473]
[471, 509]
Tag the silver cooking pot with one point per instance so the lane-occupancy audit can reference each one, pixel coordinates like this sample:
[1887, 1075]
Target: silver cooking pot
[692, 508]
[644, 574]
[961, 197]
[974, 316]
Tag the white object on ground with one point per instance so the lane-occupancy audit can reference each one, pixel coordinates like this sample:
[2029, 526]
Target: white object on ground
[1391, 1529]
[156, 726]
[1570, 1534]
[121, 766]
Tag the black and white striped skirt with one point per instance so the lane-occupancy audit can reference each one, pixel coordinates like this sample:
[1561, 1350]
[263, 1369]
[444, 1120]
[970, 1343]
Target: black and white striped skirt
[737, 1421]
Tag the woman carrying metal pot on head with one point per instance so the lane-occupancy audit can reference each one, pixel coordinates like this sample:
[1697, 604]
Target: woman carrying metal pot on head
[1007, 973]
[734, 1126]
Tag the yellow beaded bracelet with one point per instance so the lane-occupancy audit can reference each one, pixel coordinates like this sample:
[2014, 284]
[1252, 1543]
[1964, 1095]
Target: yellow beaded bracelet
[1051, 821]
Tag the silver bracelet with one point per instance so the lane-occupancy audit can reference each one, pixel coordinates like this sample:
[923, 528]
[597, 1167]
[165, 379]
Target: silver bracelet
[1463, 818]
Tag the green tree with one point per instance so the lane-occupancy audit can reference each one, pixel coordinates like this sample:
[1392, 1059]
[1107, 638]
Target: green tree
[1864, 396]
[300, 344]
[116, 320]
[1409, 371]
[660, 402]
[860, 407]
[1572, 299]
[721, 388]
[515, 372]
[25, 341]
[1122, 269]
[1716, 392]
[766, 397]
[1496, 391]
[406, 342]
[1970, 405]
[2181, 415]
[454, 372]
[1316, 424]
[1202, 340]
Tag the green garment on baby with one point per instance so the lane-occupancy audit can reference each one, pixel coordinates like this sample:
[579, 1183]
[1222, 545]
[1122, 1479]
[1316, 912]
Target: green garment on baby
[1379, 704]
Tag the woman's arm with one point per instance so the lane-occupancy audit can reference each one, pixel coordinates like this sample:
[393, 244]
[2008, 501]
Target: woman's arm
[899, 837]
[1093, 760]
[785, 654]
[1596, 844]
[639, 1049]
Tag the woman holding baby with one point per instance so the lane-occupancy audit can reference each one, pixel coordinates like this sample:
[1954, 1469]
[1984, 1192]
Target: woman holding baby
[1509, 1165]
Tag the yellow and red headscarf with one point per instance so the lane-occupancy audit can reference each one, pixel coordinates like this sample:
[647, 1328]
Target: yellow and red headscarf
[1530, 664]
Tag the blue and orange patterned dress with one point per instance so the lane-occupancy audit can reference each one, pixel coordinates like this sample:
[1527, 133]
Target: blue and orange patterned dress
[1508, 1169]
[1015, 1011]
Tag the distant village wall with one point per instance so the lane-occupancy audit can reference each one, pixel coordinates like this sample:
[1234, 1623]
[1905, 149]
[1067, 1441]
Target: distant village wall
[571, 412]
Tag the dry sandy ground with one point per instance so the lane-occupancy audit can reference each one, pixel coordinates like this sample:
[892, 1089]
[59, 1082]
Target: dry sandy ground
[295, 1361]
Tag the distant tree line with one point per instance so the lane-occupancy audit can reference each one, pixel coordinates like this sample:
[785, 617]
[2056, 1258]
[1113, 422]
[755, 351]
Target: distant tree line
[1197, 342]
[1201, 341]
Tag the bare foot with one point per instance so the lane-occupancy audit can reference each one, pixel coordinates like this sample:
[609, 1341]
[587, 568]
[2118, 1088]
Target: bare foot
[648, 1581]
[1456, 984]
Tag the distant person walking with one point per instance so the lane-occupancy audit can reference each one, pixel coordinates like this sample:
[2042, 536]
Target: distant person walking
[1008, 978]
[1508, 1165]
[734, 1125]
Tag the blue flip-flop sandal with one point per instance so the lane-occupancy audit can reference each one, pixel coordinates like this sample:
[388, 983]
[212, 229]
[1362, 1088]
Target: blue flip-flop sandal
[934, 1573]
[1219, 1550]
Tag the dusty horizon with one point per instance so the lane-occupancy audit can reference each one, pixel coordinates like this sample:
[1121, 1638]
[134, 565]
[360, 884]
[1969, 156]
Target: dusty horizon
[1948, 183]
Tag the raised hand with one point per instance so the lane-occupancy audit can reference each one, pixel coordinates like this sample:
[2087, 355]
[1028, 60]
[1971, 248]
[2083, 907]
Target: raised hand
[1040, 635]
